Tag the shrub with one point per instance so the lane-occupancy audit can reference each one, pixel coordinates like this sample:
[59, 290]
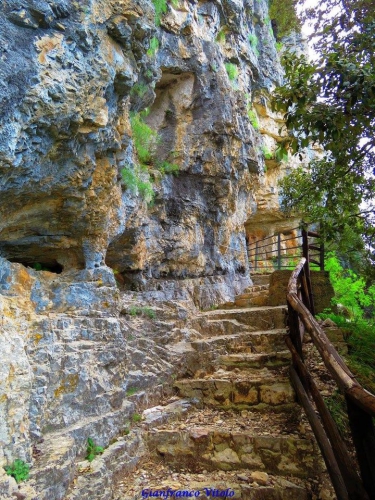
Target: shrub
[136, 417]
[268, 155]
[253, 117]
[19, 470]
[167, 168]
[131, 391]
[253, 39]
[142, 311]
[139, 89]
[281, 154]
[220, 37]
[92, 450]
[145, 139]
[160, 9]
[137, 185]
[232, 71]
[351, 292]
[154, 46]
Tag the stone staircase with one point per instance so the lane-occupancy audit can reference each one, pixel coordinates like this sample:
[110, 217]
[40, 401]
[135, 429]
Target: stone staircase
[235, 430]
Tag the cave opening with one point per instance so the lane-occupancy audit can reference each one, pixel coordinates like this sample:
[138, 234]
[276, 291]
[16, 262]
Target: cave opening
[52, 265]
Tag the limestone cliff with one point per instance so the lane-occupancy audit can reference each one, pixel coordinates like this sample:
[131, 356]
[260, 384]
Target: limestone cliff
[72, 73]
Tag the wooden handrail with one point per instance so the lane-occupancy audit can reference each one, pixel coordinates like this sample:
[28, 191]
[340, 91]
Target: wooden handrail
[331, 358]
[360, 402]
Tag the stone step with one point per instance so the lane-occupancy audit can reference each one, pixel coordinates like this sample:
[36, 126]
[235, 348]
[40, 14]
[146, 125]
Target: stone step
[258, 393]
[261, 278]
[246, 360]
[257, 318]
[215, 449]
[254, 292]
[236, 484]
[251, 299]
[215, 327]
[246, 342]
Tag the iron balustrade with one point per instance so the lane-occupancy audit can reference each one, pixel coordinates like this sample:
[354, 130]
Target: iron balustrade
[274, 252]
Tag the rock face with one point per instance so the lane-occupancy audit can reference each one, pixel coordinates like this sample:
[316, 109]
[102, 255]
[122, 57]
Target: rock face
[72, 74]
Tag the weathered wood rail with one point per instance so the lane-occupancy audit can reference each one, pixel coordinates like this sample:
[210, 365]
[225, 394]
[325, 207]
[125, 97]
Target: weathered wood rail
[347, 483]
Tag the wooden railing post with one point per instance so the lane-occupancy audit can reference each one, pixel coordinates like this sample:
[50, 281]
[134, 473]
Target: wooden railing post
[256, 256]
[305, 251]
[294, 330]
[363, 433]
[323, 442]
[279, 251]
[321, 256]
[360, 402]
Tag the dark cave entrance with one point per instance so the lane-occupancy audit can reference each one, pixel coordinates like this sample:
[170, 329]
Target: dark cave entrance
[52, 265]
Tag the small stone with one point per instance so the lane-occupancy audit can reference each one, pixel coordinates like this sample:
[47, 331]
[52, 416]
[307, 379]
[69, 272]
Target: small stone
[242, 477]
[261, 478]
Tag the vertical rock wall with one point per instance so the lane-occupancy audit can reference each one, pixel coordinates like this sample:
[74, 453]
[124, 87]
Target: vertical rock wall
[71, 74]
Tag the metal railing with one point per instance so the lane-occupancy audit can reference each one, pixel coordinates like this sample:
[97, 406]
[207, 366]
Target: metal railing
[283, 250]
[360, 403]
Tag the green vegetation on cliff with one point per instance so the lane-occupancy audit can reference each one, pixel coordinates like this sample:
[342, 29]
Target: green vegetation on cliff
[284, 17]
[145, 141]
[19, 470]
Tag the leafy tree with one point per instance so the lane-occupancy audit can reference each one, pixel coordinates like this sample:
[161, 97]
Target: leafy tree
[284, 17]
[331, 102]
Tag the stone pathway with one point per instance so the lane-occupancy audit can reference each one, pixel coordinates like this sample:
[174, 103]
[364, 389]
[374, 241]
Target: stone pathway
[233, 429]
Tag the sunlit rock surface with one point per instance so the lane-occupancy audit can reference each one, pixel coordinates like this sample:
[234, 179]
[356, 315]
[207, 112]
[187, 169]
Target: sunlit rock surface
[72, 232]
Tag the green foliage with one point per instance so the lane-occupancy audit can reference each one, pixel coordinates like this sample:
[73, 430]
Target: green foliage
[142, 311]
[154, 46]
[139, 89]
[350, 289]
[253, 117]
[253, 39]
[279, 46]
[134, 180]
[160, 9]
[221, 36]
[19, 470]
[145, 141]
[92, 450]
[168, 168]
[39, 267]
[285, 16]
[281, 154]
[132, 391]
[136, 417]
[232, 71]
[331, 102]
[268, 155]
[352, 293]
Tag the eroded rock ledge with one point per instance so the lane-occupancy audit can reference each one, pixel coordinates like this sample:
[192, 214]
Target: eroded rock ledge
[71, 75]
